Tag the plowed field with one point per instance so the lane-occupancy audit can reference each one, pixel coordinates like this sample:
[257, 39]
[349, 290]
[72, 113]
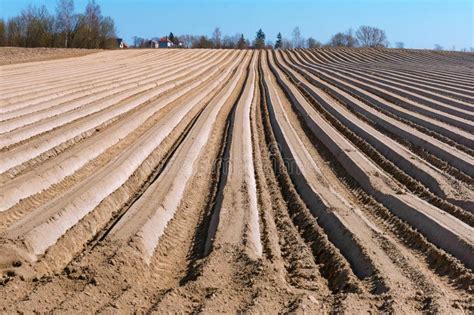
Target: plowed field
[330, 180]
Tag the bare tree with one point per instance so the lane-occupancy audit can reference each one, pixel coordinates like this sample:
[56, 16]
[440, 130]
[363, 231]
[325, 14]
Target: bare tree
[369, 36]
[337, 40]
[64, 18]
[187, 40]
[346, 39]
[438, 47]
[138, 42]
[144, 43]
[36, 27]
[312, 43]
[297, 43]
[230, 42]
[235, 39]
[351, 40]
[286, 44]
[227, 42]
[92, 19]
[14, 32]
[202, 42]
[107, 33]
[399, 45]
[3, 35]
[216, 37]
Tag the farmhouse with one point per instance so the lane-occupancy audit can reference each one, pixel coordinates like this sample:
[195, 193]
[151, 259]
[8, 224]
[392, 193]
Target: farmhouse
[165, 42]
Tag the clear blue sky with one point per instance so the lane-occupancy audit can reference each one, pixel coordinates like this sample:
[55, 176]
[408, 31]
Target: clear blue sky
[417, 23]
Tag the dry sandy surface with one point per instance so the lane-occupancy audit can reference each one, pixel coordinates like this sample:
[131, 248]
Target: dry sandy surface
[12, 55]
[214, 181]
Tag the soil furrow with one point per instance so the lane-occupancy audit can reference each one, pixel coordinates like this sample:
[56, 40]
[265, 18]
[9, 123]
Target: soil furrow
[313, 181]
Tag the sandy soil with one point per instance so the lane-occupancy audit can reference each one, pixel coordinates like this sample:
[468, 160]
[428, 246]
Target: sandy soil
[12, 55]
[214, 181]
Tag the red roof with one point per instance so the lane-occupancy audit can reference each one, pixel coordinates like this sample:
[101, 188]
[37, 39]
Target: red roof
[164, 39]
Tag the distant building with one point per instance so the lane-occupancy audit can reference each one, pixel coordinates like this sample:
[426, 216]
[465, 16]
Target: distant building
[164, 42]
[120, 43]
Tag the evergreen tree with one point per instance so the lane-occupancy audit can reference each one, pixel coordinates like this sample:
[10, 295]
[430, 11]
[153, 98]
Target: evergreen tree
[278, 43]
[171, 37]
[242, 43]
[260, 39]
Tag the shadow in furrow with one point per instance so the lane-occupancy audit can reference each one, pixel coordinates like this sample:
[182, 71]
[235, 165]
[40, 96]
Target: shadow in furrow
[334, 266]
[206, 229]
[151, 179]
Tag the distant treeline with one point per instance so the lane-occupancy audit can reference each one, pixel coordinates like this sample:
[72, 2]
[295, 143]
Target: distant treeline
[365, 36]
[237, 41]
[36, 27]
